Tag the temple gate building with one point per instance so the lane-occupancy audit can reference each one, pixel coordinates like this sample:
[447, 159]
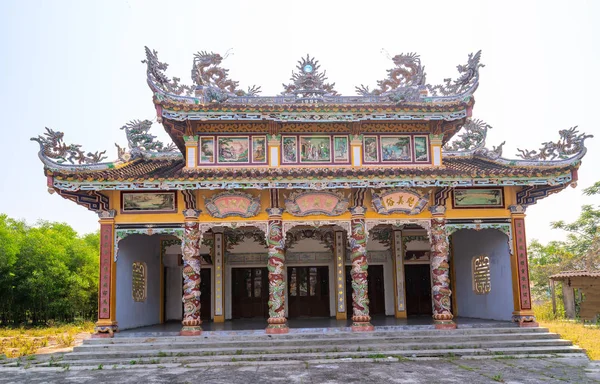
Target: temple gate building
[309, 203]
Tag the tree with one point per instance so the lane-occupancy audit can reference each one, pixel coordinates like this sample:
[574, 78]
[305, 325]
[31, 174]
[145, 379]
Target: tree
[579, 251]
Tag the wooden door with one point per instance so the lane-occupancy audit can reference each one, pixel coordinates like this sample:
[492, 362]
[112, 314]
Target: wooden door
[250, 293]
[418, 289]
[375, 290]
[308, 291]
[205, 294]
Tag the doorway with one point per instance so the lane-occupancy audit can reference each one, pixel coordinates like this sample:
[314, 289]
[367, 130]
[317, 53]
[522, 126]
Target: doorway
[375, 290]
[250, 293]
[308, 291]
[418, 289]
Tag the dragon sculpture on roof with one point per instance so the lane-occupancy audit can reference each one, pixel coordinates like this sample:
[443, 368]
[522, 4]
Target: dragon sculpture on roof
[208, 75]
[468, 79]
[406, 77]
[571, 142]
[53, 147]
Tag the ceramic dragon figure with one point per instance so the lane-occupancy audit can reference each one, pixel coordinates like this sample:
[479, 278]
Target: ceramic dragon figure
[408, 73]
[571, 143]
[469, 77]
[53, 147]
[209, 76]
[156, 73]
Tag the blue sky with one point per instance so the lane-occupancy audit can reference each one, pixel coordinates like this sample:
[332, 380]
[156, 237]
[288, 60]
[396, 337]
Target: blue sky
[74, 66]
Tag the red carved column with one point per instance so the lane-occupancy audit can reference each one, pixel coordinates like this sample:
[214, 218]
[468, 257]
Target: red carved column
[276, 264]
[107, 322]
[361, 321]
[523, 313]
[191, 275]
[440, 270]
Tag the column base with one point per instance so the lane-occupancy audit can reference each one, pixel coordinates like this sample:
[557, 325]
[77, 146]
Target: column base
[277, 326]
[190, 331]
[341, 316]
[277, 329]
[362, 326]
[444, 324]
[525, 319]
[105, 330]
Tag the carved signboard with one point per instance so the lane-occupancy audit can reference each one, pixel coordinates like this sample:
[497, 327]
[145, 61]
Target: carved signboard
[316, 203]
[402, 200]
[232, 204]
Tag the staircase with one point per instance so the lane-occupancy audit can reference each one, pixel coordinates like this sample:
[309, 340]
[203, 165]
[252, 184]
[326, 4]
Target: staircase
[313, 346]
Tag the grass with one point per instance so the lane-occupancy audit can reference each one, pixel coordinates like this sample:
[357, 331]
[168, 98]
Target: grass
[24, 341]
[585, 336]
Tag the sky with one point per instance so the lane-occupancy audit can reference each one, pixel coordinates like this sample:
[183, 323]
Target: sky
[74, 66]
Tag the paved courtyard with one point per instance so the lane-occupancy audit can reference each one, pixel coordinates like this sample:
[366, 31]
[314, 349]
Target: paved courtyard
[465, 371]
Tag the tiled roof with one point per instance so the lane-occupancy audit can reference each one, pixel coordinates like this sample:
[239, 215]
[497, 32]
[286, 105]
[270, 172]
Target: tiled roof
[173, 169]
[568, 274]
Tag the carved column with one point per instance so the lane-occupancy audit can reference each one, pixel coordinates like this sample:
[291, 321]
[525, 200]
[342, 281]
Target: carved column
[191, 275]
[107, 285]
[523, 313]
[440, 270]
[276, 264]
[358, 253]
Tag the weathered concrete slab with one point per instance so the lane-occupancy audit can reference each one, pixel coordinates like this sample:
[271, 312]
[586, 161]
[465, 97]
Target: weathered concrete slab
[507, 370]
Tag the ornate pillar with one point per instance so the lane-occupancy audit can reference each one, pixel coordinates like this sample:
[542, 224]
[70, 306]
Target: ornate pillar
[339, 252]
[440, 268]
[523, 313]
[107, 284]
[191, 275]
[276, 264]
[361, 321]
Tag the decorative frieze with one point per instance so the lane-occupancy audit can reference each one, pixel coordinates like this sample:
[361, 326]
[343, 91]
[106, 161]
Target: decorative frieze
[401, 200]
[304, 203]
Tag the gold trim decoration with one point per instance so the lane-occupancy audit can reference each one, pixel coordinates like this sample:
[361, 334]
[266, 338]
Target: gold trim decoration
[481, 275]
[138, 281]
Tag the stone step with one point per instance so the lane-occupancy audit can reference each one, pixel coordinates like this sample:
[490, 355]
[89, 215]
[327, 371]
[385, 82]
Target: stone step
[500, 352]
[311, 334]
[45, 367]
[374, 348]
[184, 343]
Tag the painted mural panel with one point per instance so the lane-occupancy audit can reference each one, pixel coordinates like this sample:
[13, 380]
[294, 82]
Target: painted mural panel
[290, 149]
[148, 202]
[395, 148]
[315, 149]
[371, 150]
[259, 149]
[207, 150]
[340, 149]
[421, 149]
[478, 198]
[233, 149]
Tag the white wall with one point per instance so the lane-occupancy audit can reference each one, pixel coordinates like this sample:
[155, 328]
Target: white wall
[132, 314]
[498, 304]
[173, 286]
